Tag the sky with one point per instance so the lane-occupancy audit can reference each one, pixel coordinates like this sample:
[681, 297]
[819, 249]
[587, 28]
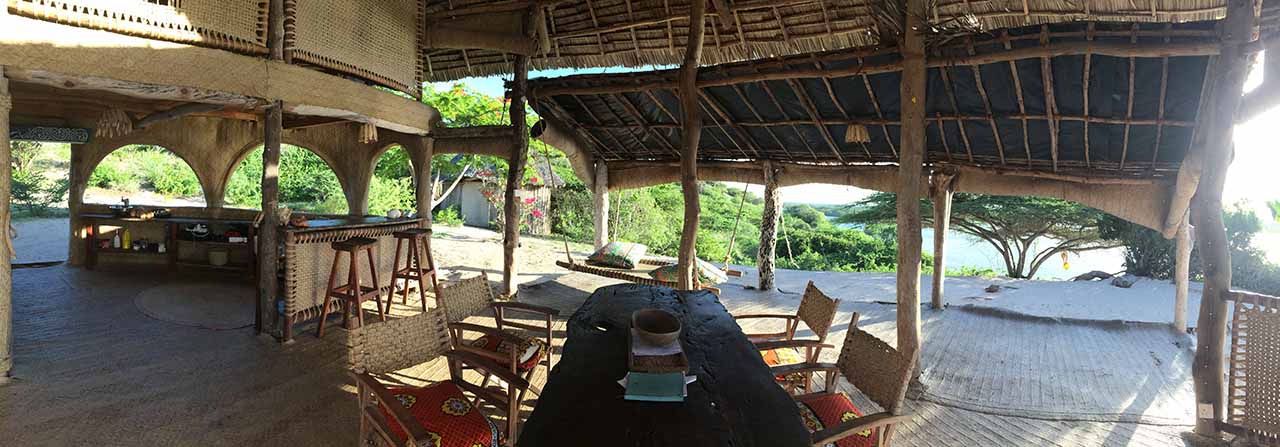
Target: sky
[1251, 178]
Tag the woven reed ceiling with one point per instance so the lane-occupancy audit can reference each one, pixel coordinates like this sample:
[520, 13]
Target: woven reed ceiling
[608, 33]
[1078, 113]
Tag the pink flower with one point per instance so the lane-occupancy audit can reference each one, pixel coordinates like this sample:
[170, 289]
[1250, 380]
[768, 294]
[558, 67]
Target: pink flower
[529, 201]
[537, 213]
[533, 179]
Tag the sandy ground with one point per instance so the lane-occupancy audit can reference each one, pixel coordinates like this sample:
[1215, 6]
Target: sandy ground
[41, 240]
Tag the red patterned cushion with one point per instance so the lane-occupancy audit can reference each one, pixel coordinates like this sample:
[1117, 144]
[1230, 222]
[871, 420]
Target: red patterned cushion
[531, 350]
[447, 415]
[829, 410]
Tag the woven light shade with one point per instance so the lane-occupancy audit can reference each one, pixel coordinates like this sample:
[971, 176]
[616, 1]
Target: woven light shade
[114, 123]
[368, 133]
[857, 133]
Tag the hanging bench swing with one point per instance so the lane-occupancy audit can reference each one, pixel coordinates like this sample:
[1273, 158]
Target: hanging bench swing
[642, 273]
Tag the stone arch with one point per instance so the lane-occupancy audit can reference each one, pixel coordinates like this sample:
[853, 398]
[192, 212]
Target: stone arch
[244, 152]
[96, 159]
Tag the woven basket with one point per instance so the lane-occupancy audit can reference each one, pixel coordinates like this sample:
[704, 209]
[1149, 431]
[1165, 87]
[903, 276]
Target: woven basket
[373, 40]
[236, 25]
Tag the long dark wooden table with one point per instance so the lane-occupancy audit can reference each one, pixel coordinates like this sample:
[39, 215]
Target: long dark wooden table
[734, 402]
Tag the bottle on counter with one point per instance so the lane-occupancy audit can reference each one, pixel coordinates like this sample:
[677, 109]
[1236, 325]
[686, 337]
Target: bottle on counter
[115, 241]
[127, 243]
[160, 248]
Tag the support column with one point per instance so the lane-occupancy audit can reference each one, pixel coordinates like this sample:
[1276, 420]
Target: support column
[600, 200]
[1231, 68]
[1181, 275]
[941, 188]
[692, 130]
[421, 159]
[515, 175]
[910, 170]
[6, 245]
[268, 233]
[75, 198]
[767, 256]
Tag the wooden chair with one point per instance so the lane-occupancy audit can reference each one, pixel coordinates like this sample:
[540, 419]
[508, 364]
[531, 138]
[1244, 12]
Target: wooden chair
[519, 351]
[1253, 385]
[817, 311]
[438, 414]
[877, 370]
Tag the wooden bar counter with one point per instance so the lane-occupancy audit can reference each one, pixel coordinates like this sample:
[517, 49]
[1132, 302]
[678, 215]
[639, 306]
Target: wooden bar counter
[307, 257]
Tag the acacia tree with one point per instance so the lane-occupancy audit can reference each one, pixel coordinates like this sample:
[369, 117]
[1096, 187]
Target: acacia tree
[1012, 225]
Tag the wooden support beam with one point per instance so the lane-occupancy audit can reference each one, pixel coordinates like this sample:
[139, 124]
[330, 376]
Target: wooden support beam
[767, 255]
[175, 113]
[692, 135]
[1181, 275]
[268, 233]
[1235, 31]
[600, 202]
[515, 174]
[424, 186]
[914, 85]
[941, 189]
[1266, 96]
[665, 81]
[6, 245]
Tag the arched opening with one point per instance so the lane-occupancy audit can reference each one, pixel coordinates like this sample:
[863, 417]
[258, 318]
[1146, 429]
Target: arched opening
[392, 186]
[146, 175]
[307, 182]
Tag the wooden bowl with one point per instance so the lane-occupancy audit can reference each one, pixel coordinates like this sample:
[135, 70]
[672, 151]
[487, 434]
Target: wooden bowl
[656, 327]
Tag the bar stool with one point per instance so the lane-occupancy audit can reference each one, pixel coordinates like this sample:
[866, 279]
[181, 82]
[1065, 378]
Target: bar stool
[413, 265]
[351, 293]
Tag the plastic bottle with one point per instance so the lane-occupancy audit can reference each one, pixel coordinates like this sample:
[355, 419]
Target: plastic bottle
[128, 239]
[115, 241]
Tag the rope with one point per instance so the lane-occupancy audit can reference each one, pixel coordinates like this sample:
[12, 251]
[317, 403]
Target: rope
[728, 256]
[782, 222]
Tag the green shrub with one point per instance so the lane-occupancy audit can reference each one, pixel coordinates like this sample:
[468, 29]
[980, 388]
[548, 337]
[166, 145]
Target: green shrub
[387, 194]
[449, 217]
[109, 175]
[1146, 252]
[35, 194]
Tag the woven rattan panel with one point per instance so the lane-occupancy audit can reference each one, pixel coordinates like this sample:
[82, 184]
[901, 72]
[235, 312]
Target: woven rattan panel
[1255, 369]
[237, 25]
[874, 367]
[309, 257]
[398, 343]
[374, 40]
[467, 297]
[817, 310]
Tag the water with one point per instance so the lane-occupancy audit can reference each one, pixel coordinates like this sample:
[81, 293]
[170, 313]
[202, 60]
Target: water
[966, 250]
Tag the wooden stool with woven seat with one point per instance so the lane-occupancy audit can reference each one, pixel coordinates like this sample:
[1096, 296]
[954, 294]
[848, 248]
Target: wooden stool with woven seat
[413, 265]
[352, 294]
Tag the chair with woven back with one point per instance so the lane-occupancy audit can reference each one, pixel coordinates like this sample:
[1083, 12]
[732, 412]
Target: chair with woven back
[520, 350]
[877, 371]
[1253, 384]
[817, 311]
[439, 414]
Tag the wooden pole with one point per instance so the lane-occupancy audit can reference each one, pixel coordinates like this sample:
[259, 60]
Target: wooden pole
[941, 188]
[515, 174]
[6, 245]
[1181, 276]
[268, 234]
[424, 191]
[1235, 32]
[600, 199]
[766, 257]
[692, 135]
[910, 168]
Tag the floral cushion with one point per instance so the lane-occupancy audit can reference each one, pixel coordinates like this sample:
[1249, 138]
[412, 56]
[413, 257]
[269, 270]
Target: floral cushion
[785, 356]
[619, 254]
[708, 273]
[447, 415]
[823, 411]
[532, 350]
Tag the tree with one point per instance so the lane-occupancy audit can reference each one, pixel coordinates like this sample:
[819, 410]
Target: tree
[1146, 251]
[1026, 231]
[1275, 209]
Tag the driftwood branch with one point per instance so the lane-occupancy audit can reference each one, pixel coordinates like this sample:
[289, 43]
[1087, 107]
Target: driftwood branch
[175, 113]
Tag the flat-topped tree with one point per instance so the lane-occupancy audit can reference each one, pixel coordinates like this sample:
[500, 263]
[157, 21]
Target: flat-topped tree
[1012, 225]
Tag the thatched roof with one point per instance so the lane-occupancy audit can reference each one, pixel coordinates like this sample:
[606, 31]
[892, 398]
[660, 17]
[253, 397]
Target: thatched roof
[1118, 105]
[605, 33]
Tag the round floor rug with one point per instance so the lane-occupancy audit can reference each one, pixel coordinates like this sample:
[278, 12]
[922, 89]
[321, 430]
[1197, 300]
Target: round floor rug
[214, 306]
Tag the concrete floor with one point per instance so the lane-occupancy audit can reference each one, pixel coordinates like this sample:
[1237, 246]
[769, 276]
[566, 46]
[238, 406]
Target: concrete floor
[91, 368]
